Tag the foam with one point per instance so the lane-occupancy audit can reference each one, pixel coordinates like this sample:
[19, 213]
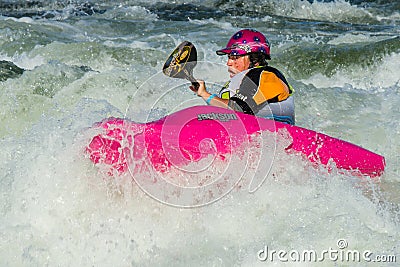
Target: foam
[379, 77]
[335, 11]
[57, 209]
[137, 13]
[73, 216]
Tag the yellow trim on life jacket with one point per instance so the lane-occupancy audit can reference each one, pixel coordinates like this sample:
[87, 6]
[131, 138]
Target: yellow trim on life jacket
[291, 89]
[226, 95]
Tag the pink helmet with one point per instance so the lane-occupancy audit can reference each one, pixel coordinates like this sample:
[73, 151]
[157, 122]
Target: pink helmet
[246, 41]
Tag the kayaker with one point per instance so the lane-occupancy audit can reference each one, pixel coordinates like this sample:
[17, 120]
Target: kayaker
[254, 88]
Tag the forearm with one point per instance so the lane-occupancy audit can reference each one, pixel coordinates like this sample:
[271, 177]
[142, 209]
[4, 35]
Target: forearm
[210, 99]
[214, 100]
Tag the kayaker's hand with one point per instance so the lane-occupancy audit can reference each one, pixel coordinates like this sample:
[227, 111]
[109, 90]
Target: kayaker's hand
[201, 90]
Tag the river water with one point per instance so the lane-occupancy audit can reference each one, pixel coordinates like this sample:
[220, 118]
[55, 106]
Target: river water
[68, 64]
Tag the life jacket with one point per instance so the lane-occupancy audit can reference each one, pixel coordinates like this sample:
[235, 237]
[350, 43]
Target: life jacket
[261, 91]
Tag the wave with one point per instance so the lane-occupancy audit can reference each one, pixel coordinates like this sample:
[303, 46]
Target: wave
[9, 70]
[55, 199]
[333, 11]
[48, 9]
[329, 59]
[355, 11]
[382, 76]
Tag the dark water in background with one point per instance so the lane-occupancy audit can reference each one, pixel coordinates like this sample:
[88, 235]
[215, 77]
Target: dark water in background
[67, 64]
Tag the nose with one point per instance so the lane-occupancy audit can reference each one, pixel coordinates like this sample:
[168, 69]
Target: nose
[229, 62]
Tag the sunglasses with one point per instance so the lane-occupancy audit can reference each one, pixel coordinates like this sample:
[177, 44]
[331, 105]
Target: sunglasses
[235, 57]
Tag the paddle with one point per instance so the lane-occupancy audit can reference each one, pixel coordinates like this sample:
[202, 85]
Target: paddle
[181, 62]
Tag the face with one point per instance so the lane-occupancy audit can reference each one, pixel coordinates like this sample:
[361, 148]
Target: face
[237, 64]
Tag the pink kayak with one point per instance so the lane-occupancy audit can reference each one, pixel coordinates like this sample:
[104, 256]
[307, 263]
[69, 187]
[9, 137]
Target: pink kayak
[178, 140]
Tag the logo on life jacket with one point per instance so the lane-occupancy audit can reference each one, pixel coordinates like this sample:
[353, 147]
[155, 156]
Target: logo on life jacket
[224, 117]
[240, 96]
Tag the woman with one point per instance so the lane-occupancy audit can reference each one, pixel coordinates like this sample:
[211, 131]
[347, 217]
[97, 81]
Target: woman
[255, 88]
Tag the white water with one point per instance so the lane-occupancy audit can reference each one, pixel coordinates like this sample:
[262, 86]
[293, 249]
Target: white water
[57, 209]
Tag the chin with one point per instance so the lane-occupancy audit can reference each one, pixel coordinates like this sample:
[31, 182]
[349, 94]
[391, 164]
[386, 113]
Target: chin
[232, 73]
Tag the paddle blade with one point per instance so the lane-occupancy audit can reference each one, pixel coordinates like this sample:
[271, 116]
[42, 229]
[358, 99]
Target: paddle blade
[181, 62]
